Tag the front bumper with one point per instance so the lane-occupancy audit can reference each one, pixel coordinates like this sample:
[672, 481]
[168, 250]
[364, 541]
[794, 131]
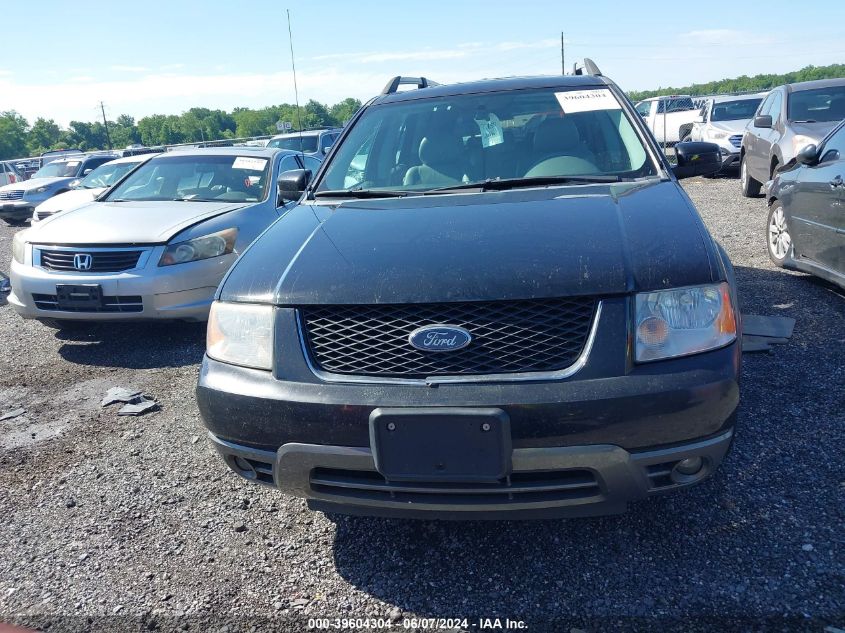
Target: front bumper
[149, 292]
[601, 441]
[558, 482]
[17, 210]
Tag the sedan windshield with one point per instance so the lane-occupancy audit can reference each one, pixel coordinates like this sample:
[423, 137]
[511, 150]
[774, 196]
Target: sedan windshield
[308, 143]
[525, 137]
[735, 110]
[196, 178]
[822, 104]
[58, 169]
[106, 175]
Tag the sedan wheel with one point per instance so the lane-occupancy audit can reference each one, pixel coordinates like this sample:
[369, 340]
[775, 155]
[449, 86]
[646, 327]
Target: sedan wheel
[779, 240]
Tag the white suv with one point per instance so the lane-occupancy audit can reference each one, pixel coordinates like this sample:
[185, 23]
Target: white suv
[722, 121]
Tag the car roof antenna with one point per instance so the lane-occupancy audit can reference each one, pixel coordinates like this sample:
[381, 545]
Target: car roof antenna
[295, 89]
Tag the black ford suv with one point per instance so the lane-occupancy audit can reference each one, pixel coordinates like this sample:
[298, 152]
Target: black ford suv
[493, 300]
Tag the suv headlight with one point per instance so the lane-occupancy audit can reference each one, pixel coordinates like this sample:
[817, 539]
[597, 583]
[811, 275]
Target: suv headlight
[205, 247]
[718, 134]
[241, 334]
[683, 321]
[19, 248]
[41, 189]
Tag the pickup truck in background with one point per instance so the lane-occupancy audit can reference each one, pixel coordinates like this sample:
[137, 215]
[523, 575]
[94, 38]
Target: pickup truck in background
[670, 118]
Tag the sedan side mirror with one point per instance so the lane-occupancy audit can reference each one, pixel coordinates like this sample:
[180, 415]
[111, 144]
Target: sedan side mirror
[697, 159]
[808, 155]
[763, 120]
[292, 184]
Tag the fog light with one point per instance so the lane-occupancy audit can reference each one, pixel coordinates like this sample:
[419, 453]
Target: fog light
[244, 468]
[689, 466]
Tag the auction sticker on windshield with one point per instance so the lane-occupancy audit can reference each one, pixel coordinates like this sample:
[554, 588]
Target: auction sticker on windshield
[253, 164]
[587, 100]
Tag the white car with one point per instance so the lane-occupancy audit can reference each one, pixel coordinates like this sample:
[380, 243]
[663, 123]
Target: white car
[669, 117]
[722, 121]
[9, 175]
[87, 189]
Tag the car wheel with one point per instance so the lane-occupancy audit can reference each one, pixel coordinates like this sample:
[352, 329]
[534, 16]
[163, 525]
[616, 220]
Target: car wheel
[750, 187]
[777, 234]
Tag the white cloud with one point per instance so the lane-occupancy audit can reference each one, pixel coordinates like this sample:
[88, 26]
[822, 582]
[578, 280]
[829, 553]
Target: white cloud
[129, 69]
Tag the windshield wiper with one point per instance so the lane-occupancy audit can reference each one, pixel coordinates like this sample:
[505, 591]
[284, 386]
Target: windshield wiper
[530, 181]
[804, 121]
[363, 193]
[194, 200]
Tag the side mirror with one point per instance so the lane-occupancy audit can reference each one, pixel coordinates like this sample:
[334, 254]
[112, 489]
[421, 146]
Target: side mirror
[763, 120]
[292, 184]
[808, 155]
[74, 184]
[697, 159]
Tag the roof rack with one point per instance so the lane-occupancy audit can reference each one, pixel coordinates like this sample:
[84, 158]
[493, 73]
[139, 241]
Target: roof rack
[420, 82]
[586, 67]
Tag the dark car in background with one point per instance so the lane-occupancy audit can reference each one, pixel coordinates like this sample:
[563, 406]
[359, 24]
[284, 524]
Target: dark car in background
[805, 229]
[789, 118]
[314, 142]
[18, 201]
[494, 299]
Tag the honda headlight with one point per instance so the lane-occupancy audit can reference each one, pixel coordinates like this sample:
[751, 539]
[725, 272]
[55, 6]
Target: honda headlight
[718, 134]
[19, 248]
[672, 323]
[241, 334]
[205, 247]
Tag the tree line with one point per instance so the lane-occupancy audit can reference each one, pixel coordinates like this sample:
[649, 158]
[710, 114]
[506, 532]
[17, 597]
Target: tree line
[757, 83]
[19, 139]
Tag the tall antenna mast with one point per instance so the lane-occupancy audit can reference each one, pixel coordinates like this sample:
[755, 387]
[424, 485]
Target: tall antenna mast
[562, 60]
[295, 89]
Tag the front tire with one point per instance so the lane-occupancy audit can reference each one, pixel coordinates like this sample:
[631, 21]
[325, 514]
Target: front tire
[778, 239]
[750, 187]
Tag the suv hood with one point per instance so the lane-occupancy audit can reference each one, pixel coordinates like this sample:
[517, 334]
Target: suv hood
[735, 127]
[522, 244]
[125, 222]
[35, 183]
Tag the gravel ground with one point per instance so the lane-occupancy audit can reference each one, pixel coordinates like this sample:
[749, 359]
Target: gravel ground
[132, 524]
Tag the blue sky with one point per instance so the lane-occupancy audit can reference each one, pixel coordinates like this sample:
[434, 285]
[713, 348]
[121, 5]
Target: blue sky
[60, 59]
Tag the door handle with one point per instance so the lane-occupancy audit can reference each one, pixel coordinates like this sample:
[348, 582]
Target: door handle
[837, 182]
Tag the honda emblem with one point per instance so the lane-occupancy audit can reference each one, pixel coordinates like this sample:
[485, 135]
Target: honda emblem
[82, 261]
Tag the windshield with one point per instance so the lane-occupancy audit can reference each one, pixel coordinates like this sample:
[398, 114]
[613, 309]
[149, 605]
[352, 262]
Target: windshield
[821, 104]
[424, 144]
[196, 178]
[735, 110]
[58, 170]
[106, 175]
[309, 143]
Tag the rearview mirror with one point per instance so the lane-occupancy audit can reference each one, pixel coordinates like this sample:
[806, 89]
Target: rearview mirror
[326, 150]
[696, 159]
[808, 155]
[763, 120]
[85, 172]
[292, 184]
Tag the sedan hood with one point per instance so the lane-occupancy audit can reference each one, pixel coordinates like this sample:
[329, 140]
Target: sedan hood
[537, 243]
[125, 222]
[69, 200]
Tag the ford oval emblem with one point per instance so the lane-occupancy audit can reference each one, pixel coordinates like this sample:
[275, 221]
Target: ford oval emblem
[439, 338]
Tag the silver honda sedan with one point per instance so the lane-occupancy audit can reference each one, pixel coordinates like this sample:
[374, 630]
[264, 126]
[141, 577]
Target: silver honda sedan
[157, 244]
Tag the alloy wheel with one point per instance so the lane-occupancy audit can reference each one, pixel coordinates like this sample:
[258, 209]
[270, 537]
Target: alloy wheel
[779, 238]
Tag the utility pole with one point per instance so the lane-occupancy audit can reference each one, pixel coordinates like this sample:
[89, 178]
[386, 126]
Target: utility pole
[106, 123]
[562, 59]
